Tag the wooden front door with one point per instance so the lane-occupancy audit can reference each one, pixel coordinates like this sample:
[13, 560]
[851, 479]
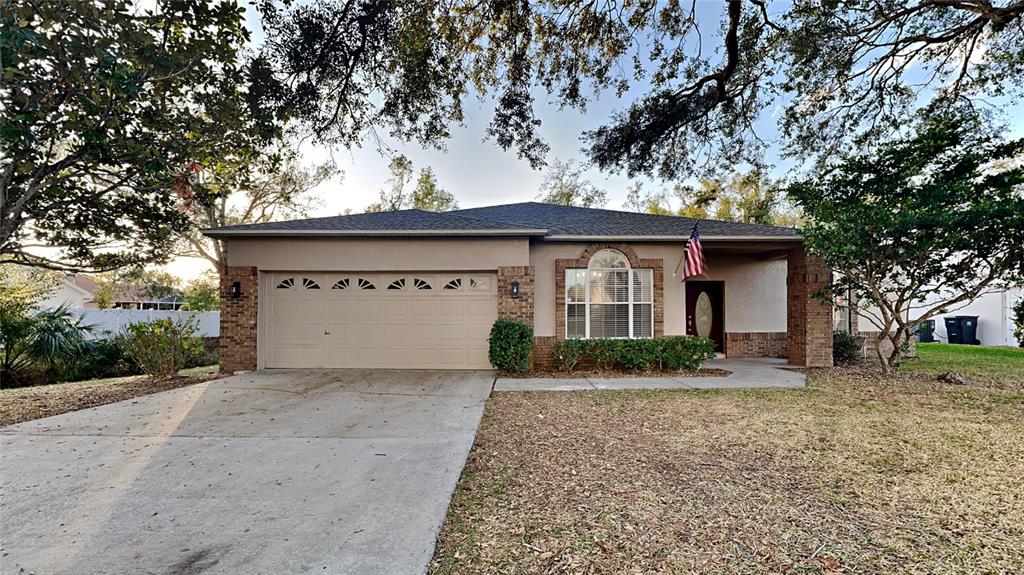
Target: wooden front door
[705, 311]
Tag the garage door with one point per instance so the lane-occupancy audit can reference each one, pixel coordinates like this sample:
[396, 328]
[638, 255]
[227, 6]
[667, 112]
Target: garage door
[378, 320]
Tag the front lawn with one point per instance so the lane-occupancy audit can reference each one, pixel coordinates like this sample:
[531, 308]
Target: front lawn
[27, 403]
[856, 474]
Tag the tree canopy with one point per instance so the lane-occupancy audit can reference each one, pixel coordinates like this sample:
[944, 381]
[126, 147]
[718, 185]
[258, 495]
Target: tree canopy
[566, 183]
[840, 72]
[426, 195]
[108, 108]
[937, 217]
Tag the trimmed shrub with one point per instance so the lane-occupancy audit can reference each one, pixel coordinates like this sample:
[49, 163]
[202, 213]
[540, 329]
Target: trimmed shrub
[510, 345]
[674, 353]
[162, 347]
[846, 348]
[569, 352]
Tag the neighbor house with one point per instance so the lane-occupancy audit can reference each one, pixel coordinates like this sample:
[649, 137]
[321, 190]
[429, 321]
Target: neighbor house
[415, 289]
[73, 291]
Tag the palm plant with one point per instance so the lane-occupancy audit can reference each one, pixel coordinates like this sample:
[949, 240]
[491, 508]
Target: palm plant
[32, 342]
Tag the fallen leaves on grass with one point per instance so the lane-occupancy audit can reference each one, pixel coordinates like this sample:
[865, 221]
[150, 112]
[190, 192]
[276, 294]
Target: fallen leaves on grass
[859, 473]
[28, 403]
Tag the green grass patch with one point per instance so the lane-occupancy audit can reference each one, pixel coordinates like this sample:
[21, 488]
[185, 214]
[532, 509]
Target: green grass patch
[970, 360]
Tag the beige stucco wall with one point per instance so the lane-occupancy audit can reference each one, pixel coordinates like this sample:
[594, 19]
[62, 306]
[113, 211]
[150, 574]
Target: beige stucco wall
[378, 254]
[755, 290]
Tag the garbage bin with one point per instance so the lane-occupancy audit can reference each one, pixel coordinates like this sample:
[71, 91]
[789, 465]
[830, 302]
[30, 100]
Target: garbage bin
[953, 333]
[968, 329]
[926, 331]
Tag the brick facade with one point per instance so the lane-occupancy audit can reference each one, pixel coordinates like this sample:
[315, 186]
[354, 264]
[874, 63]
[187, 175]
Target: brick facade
[544, 353]
[756, 344]
[521, 308]
[808, 319]
[238, 320]
[656, 264]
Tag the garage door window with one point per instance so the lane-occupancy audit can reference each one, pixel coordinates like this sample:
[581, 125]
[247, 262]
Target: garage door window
[286, 283]
[608, 299]
[310, 284]
[421, 283]
[340, 284]
[366, 284]
[397, 284]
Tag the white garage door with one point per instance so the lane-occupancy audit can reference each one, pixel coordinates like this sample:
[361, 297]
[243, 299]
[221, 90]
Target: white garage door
[382, 320]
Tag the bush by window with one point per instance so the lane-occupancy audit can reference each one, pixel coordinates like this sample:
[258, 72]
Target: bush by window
[671, 353]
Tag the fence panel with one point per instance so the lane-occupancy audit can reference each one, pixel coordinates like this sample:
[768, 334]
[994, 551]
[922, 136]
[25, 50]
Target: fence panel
[109, 321]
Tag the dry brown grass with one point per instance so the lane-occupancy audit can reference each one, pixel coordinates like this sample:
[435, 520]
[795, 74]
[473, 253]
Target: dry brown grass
[856, 474]
[27, 403]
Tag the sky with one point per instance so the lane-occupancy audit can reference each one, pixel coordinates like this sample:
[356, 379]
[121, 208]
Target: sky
[480, 173]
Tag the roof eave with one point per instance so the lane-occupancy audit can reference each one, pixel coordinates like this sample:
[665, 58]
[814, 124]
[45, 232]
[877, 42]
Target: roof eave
[704, 238]
[220, 233]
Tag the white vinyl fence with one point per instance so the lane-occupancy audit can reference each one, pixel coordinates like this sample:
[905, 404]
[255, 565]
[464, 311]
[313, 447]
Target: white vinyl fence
[111, 321]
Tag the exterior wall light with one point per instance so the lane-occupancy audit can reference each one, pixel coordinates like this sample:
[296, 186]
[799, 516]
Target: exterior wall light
[236, 290]
[515, 290]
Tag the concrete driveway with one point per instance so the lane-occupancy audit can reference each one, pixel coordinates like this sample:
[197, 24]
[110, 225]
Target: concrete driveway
[298, 471]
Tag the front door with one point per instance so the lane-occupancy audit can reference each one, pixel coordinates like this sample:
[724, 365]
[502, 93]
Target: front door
[705, 311]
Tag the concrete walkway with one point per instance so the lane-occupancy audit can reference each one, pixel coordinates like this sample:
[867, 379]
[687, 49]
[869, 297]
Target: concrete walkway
[746, 374]
[298, 471]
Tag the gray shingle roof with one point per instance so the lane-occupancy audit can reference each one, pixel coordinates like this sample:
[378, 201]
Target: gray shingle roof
[529, 218]
[590, 222]
[408, 221]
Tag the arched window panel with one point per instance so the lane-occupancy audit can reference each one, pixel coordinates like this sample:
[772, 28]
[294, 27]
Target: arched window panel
[454, 283]
[340, 284]
[365, 284]
[286, 283]
[397, 284]
[608, 259]
[420, 283]
[310, 284]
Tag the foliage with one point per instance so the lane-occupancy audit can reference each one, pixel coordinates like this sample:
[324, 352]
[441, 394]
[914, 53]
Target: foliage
[107, 108]
[427, 195]
[829, 73]
[33, 342]
[203, 293]
[162, 347]
[510, 345]
[1018, 321]
[748, 197]
[152, 284]
[253, 189]
[565, 183]
[28, 286]
[937, 217]
[847, 348]
[96, 359]
[672, 353]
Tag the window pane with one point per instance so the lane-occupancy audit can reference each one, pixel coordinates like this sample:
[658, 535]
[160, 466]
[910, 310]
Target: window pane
[643, 286]
[575, 285]
[643, 325]
[609, 286]
[609, 320]
[576, 321]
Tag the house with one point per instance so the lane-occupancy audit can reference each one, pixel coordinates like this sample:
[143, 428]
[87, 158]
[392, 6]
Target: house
[415, 289]
[73, 291]
[994, 310]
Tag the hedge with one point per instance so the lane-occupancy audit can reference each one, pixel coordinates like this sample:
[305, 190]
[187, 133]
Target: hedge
[510, 345]
[672, 353]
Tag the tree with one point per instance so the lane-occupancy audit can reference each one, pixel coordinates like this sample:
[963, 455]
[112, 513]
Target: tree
[152, 284]
[427, 195]
[936, 217]
[565, 183]
[257, 190]
[748, 197]
[841, 72]
[106, 107]
[203, 293]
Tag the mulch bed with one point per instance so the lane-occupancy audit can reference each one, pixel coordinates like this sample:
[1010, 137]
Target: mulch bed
[583, 374]
[28, 403]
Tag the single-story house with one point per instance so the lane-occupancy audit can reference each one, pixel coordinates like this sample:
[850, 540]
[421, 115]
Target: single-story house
[415, 289]
[74, 291]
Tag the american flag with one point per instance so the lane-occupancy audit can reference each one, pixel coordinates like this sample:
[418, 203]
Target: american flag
[693, 256]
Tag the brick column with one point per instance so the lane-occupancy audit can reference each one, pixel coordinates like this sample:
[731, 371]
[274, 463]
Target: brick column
[521, 308]
[238, 320]
[808, 319]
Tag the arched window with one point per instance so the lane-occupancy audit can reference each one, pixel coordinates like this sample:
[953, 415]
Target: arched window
[609, 299]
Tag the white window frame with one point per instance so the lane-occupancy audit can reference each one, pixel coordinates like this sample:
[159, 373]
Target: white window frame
[631, 302]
